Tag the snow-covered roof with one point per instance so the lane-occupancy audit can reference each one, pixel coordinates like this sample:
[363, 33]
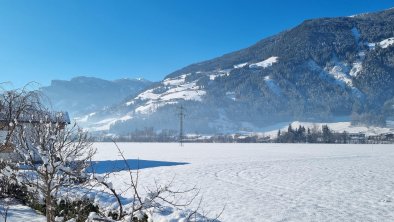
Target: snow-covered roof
[37, 116]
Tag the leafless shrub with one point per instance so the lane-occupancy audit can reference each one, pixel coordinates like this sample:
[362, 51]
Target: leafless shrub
[49, 154]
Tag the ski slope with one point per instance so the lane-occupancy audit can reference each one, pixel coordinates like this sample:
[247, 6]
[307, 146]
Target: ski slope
[271, 182]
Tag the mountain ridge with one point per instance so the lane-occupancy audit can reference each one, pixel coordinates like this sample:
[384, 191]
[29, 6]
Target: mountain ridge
[318, 70]
[82, 94]
[274, 37]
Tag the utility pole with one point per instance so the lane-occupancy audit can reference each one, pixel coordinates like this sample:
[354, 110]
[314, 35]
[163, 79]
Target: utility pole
[181, 116]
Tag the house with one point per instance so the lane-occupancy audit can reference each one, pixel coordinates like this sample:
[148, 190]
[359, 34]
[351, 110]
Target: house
[357, 138]
[390, 137]
[30, 118]
[382, 138]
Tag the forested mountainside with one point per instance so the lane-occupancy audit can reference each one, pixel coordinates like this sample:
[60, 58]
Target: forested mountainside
[320, 70]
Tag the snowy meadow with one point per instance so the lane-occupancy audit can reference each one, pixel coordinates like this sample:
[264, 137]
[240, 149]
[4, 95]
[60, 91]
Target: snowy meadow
[267, 182]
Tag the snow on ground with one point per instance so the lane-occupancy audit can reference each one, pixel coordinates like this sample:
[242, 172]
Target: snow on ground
[105, 124]
[274, 182]
[85, 118]
[169, 92]
[387, 42]
[240, 65]
[356, 68]
[188, 91]
[371, 46]
[215, 74]
[358, 15]
[266, 63]
[339, 71]
[175, 81]
[384, 43]
[231, 95]
[148, 94]
[18, 212]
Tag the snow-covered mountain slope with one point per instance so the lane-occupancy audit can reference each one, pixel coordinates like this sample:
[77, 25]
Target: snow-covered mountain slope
[265, 63]
[321, 69]
[83, 95]
[171, 90]
[387, 42]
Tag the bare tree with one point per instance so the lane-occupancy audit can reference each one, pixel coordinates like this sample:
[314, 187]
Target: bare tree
[53, 157]
[16, 106]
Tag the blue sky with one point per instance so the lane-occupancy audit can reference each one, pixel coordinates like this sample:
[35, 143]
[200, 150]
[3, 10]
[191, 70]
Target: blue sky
[45, 40]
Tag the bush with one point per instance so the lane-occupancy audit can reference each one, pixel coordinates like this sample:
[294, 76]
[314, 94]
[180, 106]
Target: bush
[79, 210]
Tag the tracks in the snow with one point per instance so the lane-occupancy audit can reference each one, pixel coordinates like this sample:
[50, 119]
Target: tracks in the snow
[340, 188]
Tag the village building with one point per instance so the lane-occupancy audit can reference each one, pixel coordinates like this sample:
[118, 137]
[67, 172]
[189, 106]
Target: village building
[26, 120]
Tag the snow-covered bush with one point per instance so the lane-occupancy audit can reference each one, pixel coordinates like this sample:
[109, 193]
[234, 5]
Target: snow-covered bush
[49, 155]
[63, 154]
[78, 210]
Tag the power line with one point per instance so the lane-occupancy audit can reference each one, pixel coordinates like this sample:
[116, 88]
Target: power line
[181, 115]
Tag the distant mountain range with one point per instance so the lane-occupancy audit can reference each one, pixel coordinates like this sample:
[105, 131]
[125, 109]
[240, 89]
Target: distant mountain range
[321, 70]
[84, 95]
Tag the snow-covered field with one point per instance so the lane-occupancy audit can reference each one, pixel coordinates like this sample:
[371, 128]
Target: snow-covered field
[268, 182]
[275, 182]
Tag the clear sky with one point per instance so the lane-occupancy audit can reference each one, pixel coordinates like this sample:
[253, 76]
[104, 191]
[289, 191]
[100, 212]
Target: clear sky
[59, 39]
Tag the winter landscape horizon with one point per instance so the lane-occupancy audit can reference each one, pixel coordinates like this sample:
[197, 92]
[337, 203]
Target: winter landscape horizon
[200, 111]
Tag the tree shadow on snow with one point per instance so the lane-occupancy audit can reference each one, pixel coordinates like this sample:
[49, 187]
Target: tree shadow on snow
[108, 166]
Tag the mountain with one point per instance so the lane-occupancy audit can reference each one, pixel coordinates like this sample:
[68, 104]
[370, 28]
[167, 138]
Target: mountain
[321, 70]
[84, 95]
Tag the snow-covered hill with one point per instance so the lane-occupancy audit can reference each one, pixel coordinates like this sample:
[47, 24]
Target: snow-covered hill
[171, 90]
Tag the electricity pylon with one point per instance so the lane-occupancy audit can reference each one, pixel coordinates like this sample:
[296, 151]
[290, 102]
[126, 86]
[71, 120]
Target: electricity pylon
[181, 115]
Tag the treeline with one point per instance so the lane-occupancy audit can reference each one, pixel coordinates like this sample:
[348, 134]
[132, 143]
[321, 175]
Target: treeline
[147, 134]
[326, 135]
[307, 135]
[228, 138]
[300, 134]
